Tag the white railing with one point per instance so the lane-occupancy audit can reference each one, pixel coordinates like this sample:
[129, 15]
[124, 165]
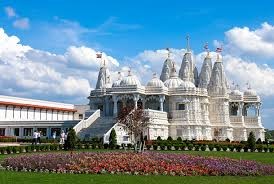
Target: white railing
[236, 119]
[84, 123]
[155, 114]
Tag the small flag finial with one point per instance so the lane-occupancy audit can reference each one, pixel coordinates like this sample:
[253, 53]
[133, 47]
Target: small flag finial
[168, 52]
[187, 43]
[206, 49]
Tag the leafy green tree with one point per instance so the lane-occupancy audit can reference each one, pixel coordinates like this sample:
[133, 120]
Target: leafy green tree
[71, 139]
[112, 139]
[251, 141]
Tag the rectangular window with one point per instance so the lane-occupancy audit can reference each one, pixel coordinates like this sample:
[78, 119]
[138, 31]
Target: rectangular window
[125, 138]
[2, 131]
[181, 107]
[80, 116]
[179, 132]
[16, 131]
[56, 130]
[43, 131]
[28, 131]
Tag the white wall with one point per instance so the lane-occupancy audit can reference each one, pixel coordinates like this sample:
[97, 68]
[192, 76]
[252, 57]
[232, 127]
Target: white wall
[2, 112]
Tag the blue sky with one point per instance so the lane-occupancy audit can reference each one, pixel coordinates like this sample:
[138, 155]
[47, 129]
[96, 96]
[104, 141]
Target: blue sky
[63, 35]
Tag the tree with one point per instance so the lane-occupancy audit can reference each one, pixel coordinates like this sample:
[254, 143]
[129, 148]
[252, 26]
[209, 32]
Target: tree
[135, 121]
[71, 139]
[112, 139]
[251, 141]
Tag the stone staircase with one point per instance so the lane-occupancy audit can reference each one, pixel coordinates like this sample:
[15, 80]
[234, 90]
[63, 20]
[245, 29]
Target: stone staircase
[97, 128]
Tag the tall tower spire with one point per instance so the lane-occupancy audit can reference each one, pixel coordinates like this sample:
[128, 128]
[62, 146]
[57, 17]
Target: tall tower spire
[187, 43]
[167, 67]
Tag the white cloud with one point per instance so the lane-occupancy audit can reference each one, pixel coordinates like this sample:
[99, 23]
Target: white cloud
[21, 23]
[86, 57]
[258, 42]
[261, 78]
[10, 12]
[31, 72]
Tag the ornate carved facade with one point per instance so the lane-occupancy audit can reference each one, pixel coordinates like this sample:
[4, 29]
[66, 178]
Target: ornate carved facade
[190, 105]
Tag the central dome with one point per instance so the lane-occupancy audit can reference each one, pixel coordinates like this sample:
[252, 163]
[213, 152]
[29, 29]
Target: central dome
[130, 80]
[155, 82]
[250, 92]
[174, 81]
[187, 84]
[236, 92]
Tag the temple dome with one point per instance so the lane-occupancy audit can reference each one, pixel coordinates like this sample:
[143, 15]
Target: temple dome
[130, 80]
[155, 82]
[236, 92]
[250, 92]
[187, 84]
[174, 81]
[116, 83]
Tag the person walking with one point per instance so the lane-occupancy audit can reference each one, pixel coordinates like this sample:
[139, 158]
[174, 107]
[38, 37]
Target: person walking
[35, 136]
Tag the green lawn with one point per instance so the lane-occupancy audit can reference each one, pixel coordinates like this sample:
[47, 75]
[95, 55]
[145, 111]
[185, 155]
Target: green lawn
[29, 178]
[7, 177]
[267, 158]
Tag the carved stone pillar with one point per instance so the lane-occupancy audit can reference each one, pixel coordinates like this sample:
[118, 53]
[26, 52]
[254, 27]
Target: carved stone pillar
[136, 97]
[107, 106]
[161, 100]
[115, 108]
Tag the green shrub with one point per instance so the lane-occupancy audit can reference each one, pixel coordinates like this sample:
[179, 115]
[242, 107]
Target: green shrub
[231, 148]
[117, 146]
[112, 139]
[197, 147]
[8, 149]
[259, 148]
[169, 146]
[14, 149]
[211, 147]
[129, 146]
[162, 146]
[105, 146]
[227, 140]
[169, 139]
[265, 149]
[218, 147]
[2, 150]
[71, 139]
[177, 146]
[21, 149]
[259, 141]
[183, 146]
[190, 147]
[245, 148]
[251, 142]
[239, 147]
[155, 146]
[28, 149]
[271, 149]
[224, 147]
[179, 139]
[203, 147]
[159, 138]
[148, 146]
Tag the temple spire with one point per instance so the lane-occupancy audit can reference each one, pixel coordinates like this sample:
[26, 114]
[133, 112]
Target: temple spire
[187, 43]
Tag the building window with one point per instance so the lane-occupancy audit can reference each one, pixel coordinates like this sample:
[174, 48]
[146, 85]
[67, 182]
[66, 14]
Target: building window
[179, 132]
[16, 131]
[2, 131]
[80, 116]
[56, 130]
[181, 106]
[125, 138]
[28, 131]
[43, 131]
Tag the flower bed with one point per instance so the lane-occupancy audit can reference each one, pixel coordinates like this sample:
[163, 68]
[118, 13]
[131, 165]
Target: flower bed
[133, 163]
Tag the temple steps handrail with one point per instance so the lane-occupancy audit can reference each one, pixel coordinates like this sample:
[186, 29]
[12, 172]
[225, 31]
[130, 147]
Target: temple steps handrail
[85, 123]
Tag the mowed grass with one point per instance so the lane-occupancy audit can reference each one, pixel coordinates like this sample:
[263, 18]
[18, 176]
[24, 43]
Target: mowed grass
[8, 177]
[266, 158]
[33, 178]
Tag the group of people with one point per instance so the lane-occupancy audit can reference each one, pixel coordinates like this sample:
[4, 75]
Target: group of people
[37, 137]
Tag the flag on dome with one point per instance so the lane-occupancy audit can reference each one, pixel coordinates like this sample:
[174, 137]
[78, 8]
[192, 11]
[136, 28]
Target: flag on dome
[99, 55]
[206, 46]
[219, 49]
